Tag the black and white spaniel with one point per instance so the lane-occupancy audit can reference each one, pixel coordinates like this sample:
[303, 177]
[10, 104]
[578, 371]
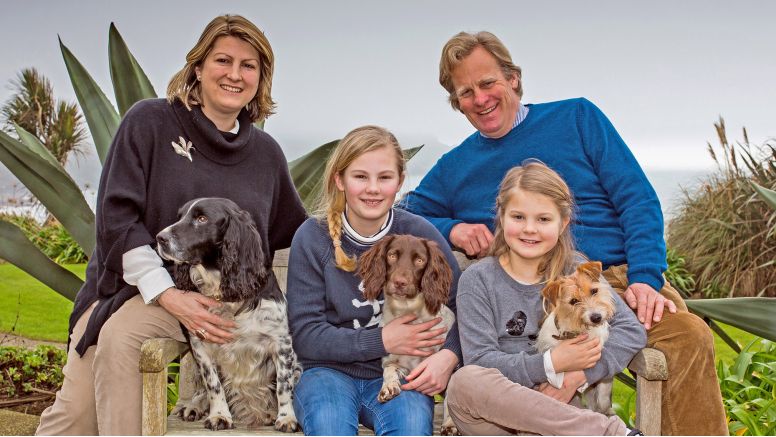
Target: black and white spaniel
[217, 251]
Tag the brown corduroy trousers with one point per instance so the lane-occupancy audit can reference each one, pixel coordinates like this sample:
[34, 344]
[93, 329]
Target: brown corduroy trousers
[692, 402]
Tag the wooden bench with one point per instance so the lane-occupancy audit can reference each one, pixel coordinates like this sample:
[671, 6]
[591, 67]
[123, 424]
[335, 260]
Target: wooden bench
[156, 354]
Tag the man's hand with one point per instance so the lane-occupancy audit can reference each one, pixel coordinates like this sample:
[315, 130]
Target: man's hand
[648, 303]
[475, 240]
[432, 374]
[571, 382]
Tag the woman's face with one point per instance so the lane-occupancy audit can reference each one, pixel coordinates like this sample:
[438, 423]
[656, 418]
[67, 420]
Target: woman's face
[229, 79]
[370, 184]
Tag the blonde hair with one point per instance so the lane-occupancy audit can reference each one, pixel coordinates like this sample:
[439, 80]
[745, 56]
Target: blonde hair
[185, 86]
[462, 45]
[535, 177]
[331, 203]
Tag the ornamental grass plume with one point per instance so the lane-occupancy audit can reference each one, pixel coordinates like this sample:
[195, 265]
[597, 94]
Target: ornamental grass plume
[725, 231]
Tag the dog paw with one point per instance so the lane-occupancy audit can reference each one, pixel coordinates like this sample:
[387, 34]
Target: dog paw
[286, 424]
[217, 423]
[388, 392]
[448, 430]
[189, 414]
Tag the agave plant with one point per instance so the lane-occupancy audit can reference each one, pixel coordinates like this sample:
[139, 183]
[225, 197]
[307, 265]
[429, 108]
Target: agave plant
[45, 177]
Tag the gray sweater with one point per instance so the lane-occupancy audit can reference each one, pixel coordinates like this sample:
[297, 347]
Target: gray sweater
[489, 307]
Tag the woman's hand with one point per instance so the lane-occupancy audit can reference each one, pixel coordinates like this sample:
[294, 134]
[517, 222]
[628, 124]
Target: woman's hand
[571, 382]
[576, 354]
[402, 338]
[191, 309]
[432, 374]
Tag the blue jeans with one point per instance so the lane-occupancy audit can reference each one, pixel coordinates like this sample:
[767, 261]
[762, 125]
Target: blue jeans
[329, 402]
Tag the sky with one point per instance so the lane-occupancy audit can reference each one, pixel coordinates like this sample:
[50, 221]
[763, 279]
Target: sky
[662, 71]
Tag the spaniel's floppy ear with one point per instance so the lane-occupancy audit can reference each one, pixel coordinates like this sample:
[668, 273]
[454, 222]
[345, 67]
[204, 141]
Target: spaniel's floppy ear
[182, 277]
[242, 260]
[373, 269]
[551, 294]
[437, 278]
[590, 269]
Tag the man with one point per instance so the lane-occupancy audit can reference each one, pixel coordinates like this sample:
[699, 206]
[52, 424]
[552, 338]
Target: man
[619, 220]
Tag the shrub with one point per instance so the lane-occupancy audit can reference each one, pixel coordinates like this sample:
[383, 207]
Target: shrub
[25, 370]
[51, 238]
[725, 230]
[748, 388]
[677, 273]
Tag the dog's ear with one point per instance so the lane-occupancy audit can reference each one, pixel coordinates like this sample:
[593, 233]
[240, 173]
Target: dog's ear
[551, 293]
[373, 268]
[437, 278]
[590, 269]
[242, 259]
[182, 278]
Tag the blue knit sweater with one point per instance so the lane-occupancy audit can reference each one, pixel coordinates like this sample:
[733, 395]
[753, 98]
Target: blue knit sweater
[618, 218]
[331, 323]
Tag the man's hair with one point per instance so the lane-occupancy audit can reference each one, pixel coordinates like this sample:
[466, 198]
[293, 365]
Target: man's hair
[461, 46]
[185, 86]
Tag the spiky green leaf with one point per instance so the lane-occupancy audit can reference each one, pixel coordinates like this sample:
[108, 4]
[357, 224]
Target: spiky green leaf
[53, 187]
[409, 153]
[130, 83]
[752, 314]
[769, 196]
[307, 173]
[18, 250]
[102, 118]
[34, 144]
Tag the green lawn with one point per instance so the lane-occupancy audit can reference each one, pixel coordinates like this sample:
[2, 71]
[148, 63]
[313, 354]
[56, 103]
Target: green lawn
[30, 309]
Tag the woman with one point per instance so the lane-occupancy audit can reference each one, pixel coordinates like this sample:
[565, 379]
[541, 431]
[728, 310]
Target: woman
[199, 142]
[335, 329]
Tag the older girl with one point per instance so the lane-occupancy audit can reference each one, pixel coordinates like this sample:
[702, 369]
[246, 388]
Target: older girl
[335, 329]
[199, 142]
[532, 246]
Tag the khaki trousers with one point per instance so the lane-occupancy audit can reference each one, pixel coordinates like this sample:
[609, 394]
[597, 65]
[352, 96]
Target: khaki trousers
[102, 391]
[692, 402]
[482, 401]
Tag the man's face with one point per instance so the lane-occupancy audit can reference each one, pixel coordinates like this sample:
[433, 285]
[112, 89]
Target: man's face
[485, 96]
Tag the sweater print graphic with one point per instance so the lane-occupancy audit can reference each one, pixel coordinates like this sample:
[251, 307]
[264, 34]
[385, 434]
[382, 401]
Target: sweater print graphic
[377, 309]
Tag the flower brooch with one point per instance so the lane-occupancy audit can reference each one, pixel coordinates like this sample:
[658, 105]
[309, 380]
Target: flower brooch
[184, 148]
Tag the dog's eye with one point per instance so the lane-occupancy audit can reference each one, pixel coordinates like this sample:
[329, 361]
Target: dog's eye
[419, 260]
[594, 291]
[573, 301]
[202, 219]
[391, 256]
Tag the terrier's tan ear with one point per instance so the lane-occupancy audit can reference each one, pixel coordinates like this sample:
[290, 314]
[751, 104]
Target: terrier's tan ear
[591, 269]
[551, 292]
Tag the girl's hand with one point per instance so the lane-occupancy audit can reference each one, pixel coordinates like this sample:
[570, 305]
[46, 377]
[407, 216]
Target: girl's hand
[576, 354]
[191, 309]
[432, 374]
[402, 338]
[571, 382]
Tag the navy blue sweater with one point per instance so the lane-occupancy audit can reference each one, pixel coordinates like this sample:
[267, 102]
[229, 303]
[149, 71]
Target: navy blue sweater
[618, 218]
[331, 323]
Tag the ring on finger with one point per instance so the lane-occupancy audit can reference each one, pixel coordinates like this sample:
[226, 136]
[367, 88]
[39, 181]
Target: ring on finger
[200, 333]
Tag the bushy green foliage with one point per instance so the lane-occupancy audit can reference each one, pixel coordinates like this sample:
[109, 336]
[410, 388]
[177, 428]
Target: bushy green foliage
[677, 273]
[51, 238]
[24, 369]
[749, 389]
[725, 230]
[173, 382]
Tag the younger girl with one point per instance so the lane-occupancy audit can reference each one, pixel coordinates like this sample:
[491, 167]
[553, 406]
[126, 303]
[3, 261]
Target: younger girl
[335, 330]
[500, 310]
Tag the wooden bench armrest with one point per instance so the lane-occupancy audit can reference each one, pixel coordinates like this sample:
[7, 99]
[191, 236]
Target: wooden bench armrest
[650, 364]
[157, 353]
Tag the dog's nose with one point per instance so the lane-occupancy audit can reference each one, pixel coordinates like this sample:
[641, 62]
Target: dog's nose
[595, 318]
[162, 238]
[400, 282]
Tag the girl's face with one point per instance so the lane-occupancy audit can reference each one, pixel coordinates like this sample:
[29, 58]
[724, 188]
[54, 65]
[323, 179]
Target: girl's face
[532, 225]
[370, 184]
